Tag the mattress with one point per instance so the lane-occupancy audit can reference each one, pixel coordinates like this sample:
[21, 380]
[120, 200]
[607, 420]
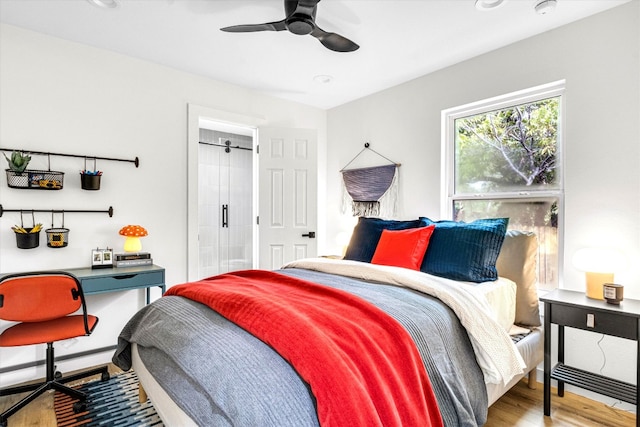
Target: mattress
[170, 413]
[531, 348]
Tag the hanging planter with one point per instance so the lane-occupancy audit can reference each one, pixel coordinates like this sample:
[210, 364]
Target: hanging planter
[90, 180]
[19, 177]
[29, 237]
[57, 237]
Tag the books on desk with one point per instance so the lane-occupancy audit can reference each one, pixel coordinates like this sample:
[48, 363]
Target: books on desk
[133, 259]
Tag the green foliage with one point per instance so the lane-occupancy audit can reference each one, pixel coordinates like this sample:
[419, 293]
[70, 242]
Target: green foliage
[18, 161]
[508, 149]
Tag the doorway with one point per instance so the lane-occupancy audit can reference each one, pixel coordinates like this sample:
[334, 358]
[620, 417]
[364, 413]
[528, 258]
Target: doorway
[211, 247]
[225, 199]
[285, 195]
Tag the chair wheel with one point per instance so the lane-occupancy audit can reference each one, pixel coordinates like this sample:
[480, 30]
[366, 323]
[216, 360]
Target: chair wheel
[79, 407]
[3, 423]
[105, 377]
[57, 375]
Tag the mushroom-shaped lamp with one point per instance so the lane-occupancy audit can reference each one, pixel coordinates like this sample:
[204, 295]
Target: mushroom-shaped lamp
[132, 234]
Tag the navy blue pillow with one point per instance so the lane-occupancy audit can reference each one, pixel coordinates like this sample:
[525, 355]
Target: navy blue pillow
[366, 235]
[465, 251]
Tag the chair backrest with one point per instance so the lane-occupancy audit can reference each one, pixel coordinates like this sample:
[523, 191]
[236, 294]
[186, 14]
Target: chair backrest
[41, 296]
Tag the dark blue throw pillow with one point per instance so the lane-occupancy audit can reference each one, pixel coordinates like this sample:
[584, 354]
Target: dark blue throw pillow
[465, 251]
[366, 235]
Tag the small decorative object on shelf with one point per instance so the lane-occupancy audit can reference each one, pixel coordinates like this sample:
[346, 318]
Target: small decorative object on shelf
[27, 237]
[90, 180]
[131, 259]
[132, 234]
[57, 237]
[102, 258]
[613, 293]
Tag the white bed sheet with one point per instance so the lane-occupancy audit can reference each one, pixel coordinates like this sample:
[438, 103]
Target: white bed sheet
[501, 295]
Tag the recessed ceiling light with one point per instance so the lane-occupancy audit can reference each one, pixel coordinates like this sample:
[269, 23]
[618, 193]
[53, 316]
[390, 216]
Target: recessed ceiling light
[106, 4]
[543, 7]
[323, 78]
[489, 4]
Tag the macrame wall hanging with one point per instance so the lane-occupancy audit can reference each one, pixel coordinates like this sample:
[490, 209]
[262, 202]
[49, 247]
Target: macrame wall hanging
[370, 191]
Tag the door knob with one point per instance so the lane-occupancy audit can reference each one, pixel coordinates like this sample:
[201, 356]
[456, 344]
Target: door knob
[311, 235]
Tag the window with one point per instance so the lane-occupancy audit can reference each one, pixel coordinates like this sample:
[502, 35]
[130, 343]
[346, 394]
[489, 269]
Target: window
[503, 159]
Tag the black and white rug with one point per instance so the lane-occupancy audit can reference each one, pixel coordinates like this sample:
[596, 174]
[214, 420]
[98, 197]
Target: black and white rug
[109, 403]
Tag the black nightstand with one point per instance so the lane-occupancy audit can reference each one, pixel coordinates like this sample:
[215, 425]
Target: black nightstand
[574, 309]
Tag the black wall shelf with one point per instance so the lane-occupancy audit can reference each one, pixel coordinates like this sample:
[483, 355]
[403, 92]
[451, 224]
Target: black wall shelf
[135, 161]
[52, 211]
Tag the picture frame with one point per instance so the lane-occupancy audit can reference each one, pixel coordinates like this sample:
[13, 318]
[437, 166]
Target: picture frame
[107, 257]
[101, 258]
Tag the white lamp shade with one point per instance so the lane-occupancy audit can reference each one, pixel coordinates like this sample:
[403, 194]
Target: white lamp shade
[599, 260]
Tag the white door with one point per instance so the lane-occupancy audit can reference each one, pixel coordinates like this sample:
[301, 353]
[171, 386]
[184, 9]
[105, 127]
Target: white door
[288, 195]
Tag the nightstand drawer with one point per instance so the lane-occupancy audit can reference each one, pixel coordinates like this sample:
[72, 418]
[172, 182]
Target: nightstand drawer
[603, 322]
[122, 282]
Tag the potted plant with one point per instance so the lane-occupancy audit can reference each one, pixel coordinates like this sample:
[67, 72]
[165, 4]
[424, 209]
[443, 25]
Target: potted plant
[18, 161]
[17, 165]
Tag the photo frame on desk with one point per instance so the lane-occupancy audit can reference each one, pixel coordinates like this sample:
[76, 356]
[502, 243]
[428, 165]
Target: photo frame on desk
[101, 258]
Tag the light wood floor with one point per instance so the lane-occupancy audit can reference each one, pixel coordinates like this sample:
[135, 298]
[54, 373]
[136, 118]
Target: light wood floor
[520, 407]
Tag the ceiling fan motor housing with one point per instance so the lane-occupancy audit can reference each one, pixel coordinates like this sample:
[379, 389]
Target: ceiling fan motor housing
[300, 24]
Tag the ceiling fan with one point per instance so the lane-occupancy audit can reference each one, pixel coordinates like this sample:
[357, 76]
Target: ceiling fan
[300, 20]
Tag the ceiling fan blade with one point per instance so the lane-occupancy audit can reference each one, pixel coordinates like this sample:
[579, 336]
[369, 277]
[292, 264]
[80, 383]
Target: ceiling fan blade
[334, 41]
[250, 28]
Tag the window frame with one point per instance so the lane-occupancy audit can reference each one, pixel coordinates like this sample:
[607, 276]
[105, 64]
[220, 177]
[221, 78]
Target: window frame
[448, 118]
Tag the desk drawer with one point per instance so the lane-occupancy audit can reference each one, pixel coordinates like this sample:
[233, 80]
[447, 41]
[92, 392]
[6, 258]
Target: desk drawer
[607, 323]
[123, 282]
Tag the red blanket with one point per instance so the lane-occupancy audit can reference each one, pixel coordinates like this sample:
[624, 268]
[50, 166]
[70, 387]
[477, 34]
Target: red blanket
[361, 364]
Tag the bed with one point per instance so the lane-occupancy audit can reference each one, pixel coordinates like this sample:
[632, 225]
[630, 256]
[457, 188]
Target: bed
[474, 338]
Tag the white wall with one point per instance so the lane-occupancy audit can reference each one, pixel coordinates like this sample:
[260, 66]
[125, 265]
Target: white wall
[65, 97]
[598, 57]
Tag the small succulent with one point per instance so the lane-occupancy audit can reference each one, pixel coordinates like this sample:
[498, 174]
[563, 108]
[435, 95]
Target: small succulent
[18, 161]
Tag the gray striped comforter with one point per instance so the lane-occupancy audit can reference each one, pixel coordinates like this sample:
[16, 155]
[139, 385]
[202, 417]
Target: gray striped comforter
[221, 375]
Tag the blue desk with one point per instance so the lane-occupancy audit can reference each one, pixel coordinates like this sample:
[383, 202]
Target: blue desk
[101, 280]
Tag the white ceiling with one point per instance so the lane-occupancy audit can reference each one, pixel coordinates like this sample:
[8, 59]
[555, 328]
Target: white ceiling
[399, 39]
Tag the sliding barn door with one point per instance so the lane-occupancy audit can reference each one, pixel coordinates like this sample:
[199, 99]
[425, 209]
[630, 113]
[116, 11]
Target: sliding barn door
[288, 195]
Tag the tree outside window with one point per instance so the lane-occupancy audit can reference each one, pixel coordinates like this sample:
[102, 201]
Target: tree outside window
[504, 161]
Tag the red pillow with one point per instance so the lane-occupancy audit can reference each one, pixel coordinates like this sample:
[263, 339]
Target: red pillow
[403, 248]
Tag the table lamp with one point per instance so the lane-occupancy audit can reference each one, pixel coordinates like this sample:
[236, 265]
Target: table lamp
[132, 234]
[599, 265]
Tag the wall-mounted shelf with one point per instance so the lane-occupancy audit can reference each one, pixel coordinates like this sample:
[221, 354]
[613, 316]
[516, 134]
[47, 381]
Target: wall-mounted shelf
[135, 161]
[52, 211]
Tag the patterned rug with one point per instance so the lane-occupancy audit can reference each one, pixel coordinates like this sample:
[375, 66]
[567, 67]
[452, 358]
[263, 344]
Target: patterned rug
[109, 403]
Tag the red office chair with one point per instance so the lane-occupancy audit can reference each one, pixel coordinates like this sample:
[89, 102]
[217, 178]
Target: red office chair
[43, 303]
